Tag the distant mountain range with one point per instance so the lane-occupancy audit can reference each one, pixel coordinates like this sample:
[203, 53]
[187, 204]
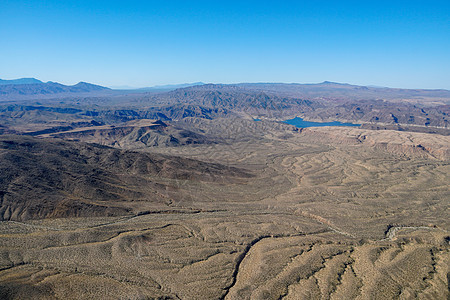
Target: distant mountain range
[25, 104]
[31, 88]
[26, 88]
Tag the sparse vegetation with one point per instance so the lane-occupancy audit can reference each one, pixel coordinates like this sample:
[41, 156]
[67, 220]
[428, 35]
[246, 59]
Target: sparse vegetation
[234, 209]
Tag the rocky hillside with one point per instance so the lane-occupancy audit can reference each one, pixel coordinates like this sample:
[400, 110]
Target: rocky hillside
[405, 144]
[42, 178]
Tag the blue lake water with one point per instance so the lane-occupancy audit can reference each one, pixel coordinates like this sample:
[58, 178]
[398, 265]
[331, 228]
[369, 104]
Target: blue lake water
[298, 122]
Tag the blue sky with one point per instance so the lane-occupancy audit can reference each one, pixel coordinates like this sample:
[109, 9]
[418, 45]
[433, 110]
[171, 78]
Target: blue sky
[144, 43]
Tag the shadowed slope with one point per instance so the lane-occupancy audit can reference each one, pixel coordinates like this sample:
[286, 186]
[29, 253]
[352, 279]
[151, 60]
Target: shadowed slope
[41, 178]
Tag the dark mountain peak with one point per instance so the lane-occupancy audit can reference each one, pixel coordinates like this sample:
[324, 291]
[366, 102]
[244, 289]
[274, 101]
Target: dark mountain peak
[159, 122]
[89, 86]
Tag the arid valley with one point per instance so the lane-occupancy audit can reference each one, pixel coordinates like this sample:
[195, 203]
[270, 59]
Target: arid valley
[204, 193]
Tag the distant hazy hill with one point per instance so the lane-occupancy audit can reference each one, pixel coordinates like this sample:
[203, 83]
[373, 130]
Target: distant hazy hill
[172, 86]
[20, 81]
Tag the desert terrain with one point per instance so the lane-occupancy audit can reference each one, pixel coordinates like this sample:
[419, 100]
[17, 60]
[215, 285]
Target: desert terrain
[185, 196]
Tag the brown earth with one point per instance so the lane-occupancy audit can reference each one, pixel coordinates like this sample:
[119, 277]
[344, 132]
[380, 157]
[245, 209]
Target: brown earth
[265, 212]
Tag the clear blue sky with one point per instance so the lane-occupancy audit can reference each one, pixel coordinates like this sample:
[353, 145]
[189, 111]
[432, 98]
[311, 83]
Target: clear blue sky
[145, 43]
